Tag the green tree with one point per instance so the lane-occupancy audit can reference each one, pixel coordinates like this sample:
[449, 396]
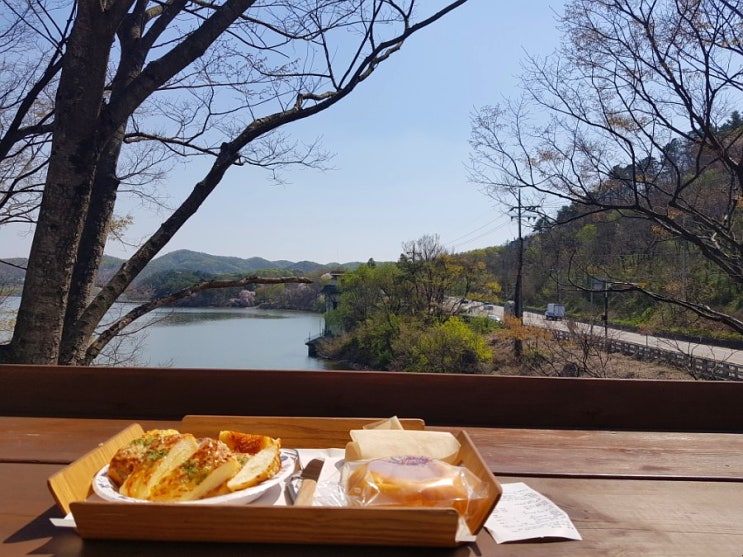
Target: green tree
[447, 347]
[401, 315]
[270, 295]
[369, 290]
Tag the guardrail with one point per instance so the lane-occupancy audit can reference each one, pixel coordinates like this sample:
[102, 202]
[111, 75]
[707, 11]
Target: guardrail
[700, 368]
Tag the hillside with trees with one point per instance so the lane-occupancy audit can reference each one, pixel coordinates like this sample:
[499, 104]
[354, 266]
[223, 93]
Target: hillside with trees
[417, 315]
[605, 259]
[187, 260]
[12, 271]
[405, 315]
[631, 130]
[177, 271]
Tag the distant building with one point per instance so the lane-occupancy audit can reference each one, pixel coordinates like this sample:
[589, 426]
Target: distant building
[332, 292]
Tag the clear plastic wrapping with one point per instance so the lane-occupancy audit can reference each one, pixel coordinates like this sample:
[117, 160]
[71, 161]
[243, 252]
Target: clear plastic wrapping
[411, 481]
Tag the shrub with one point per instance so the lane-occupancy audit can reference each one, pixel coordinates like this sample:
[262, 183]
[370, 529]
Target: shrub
[448, 347]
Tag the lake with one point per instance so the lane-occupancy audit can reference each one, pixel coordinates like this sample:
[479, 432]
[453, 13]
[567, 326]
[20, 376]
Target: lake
[230, 338]
[245, 338]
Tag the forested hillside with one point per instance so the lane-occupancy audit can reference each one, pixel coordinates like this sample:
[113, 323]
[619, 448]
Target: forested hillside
[180, 261]
[186, 260]
[562, 263]
[433, 311]
[592, 264]
[640, 247]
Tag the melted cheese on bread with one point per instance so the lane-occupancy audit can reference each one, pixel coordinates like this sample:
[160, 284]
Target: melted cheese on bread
[257, 468]
[162, 455]
[128, 458]
[166, 465]
[203, 473]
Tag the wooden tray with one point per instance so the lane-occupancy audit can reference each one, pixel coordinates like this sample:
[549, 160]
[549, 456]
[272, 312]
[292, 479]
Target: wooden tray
[431, 527]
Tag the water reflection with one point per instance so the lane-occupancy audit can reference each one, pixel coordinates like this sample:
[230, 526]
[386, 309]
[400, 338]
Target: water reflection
[215, 338]
[189, 316]
[231, 338]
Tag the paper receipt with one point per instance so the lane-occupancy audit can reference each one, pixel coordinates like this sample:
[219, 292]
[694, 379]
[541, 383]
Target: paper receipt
[524, 514]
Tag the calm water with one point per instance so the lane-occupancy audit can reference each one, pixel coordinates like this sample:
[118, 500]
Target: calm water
[221, 338]
[231, 338]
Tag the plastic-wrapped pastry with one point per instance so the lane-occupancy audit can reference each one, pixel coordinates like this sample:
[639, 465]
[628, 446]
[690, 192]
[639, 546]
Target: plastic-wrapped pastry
[410, 481]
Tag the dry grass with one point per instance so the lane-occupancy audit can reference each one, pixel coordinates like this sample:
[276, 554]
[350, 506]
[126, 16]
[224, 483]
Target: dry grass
[544, 357]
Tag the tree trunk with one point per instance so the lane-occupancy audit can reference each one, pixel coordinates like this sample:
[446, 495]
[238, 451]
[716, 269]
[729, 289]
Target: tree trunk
[76, 333]
[72, 163]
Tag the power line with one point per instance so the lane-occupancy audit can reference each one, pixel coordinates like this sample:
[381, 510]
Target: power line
[488, 232]
[463, 236]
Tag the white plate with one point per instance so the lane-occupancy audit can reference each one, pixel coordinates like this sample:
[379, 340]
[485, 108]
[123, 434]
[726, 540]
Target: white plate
[105, 488]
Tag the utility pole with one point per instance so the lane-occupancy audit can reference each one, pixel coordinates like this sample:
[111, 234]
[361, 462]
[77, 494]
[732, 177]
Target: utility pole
[602, 285]
[518, 296]
[606, 311]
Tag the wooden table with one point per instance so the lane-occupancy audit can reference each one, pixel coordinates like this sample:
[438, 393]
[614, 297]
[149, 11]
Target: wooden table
[627, 492]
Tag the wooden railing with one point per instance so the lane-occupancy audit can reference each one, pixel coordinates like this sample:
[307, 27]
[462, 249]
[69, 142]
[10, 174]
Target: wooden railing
[439, 399]
[699, 368]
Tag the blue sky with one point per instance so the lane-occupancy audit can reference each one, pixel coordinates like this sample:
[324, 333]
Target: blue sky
[400, 145]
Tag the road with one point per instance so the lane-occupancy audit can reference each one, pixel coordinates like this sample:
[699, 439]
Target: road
[716, 353]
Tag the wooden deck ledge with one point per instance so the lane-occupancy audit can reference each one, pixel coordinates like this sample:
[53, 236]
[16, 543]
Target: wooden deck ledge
[450, 399]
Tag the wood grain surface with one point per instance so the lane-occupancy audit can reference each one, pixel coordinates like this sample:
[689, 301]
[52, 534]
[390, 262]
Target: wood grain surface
[439, 399]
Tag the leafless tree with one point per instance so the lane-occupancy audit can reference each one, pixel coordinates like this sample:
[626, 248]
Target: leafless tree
[119, 83]
[633, 116]
[428, 275]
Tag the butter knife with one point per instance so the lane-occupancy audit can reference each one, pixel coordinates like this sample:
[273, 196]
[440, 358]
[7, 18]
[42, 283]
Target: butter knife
[308, 476]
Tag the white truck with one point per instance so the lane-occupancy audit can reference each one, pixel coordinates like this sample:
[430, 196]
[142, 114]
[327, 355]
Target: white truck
[555, 312]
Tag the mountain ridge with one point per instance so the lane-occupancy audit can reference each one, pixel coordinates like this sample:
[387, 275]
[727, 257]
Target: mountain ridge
[184, 260]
